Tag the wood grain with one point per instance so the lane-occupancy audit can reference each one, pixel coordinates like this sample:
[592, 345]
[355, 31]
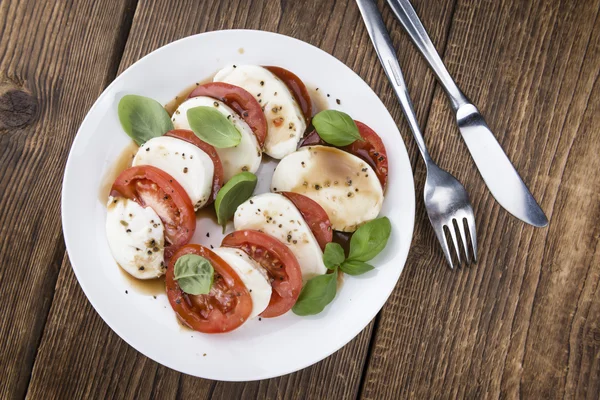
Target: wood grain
[524, 321]
[54, 62]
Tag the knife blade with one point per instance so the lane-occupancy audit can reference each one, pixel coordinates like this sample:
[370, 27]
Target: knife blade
[498, 173]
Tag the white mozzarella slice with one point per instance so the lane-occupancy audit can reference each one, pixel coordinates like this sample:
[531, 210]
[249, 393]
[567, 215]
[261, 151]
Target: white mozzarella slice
[253, 276]
[277, 216]
[285, 121]
[135, 237]
[191, 167]
[344, 185]
[246, 156]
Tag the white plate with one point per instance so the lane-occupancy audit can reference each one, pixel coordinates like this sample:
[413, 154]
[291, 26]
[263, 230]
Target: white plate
[259, 349]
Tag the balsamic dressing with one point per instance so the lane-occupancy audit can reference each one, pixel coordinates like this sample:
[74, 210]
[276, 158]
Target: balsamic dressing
[172, 105]
[343, 239]
[122, 162]
[150, 287]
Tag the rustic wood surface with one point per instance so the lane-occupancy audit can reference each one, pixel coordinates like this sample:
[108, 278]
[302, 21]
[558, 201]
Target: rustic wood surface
[524, 322]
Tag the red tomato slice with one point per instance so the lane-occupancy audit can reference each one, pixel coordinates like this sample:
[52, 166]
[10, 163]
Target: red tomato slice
[297, 88]
[152, 187]
[314, 215]
[224, 308]
[280, 263]
[191, 137]
[242, 102]
[371, 150]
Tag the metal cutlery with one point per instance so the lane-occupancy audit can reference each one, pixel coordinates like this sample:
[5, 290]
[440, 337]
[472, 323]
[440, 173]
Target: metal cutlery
[446, 200]
[500, 176]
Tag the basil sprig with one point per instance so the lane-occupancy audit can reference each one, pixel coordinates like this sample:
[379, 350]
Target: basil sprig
[316, 294]
[143, 118]
[355, 267]
[194, 274]
[213, 127]
[333, 255]
[368, 241]
[236, 191]
[336, 128]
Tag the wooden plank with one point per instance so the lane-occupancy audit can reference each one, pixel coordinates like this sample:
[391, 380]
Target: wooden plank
[79, 355]
[524, 321]
[54, 62]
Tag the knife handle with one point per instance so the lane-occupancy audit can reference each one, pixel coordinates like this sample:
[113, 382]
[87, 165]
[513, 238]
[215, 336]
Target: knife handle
[387, 56]
[407, 16]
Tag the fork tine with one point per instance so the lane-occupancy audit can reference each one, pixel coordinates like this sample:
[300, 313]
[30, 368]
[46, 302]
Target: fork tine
[454, 241]
[471, 222]
[439, 232]
[460, 224]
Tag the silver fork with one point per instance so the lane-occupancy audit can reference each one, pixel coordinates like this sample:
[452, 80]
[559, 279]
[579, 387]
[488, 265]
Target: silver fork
[446, 200]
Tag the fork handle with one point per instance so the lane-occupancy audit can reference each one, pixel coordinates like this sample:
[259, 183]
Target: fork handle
[408, 17]
[387, 56]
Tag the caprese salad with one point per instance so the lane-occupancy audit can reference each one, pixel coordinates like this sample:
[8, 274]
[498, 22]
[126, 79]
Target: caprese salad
[288, 246]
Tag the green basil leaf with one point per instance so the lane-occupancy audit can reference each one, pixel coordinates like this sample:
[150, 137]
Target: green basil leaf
[369, 239]
[353, 267]
[213, 127]
[333, 255]
[316, 294]
[194, 274]
[143, 118]
[336, 127]
[236, 191]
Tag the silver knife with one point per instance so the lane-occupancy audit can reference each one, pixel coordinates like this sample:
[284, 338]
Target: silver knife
[500, 176]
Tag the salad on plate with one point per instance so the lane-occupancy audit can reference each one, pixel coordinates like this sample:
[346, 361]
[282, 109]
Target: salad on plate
[289, 247]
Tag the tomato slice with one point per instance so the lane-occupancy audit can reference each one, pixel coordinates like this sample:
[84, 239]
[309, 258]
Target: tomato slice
[224, 308]
[279, 262]
[191, 137]
[314, 215]
[152, 187]
[297, 88]
[242, 102]
[371, 150]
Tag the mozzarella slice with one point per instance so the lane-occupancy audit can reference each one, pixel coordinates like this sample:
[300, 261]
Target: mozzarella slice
[275, 215]
[285, 121]
[344, 185]
[252, 275]
[187, 163]
[135, 237]
[246, 156]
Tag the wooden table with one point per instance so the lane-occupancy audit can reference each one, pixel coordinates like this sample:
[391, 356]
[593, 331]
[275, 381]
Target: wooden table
[524, 322]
